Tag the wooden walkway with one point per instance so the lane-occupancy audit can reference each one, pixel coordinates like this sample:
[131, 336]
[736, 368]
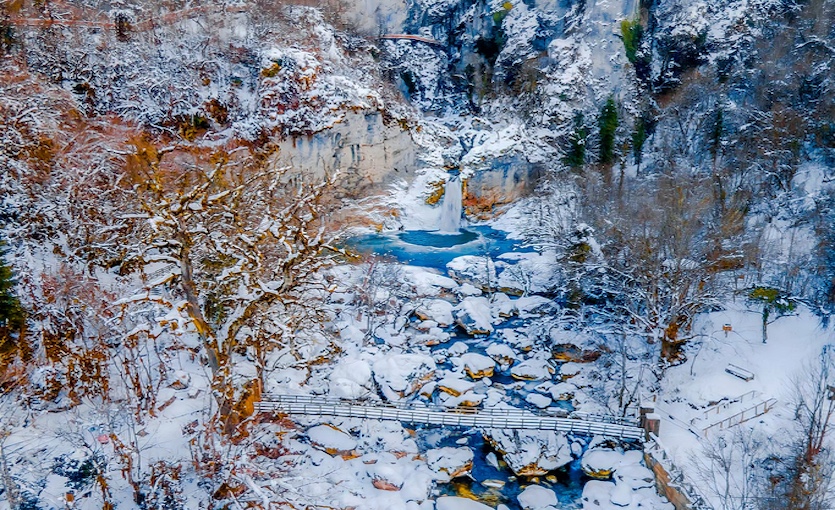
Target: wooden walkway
[585, 425]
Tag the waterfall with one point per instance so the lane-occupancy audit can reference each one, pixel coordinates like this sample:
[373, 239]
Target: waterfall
[451, 207]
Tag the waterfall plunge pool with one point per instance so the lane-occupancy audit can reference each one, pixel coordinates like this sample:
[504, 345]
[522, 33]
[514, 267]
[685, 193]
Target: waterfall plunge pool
[435, 249]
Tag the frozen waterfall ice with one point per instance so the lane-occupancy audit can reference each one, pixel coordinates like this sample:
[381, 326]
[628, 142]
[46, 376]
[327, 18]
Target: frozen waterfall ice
[451, 207]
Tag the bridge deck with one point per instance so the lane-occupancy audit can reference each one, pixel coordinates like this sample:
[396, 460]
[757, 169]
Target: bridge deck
[410, 37]
[483, 418]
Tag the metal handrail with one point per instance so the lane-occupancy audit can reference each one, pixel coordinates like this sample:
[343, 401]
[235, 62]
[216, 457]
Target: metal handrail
[434, 415]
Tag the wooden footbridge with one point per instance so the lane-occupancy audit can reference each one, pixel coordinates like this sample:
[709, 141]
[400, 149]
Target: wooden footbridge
[576, 423]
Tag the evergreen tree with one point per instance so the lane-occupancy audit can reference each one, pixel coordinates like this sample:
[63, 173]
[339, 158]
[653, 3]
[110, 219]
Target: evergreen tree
[576, 153]
[608, 123]
[11, 313]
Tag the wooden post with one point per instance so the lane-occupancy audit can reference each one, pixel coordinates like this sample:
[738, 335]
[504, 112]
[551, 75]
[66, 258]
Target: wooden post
[645, 409]
[652, 424]
[650, 421]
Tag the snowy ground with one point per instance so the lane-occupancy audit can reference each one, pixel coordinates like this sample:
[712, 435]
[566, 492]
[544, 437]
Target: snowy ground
[702, 383]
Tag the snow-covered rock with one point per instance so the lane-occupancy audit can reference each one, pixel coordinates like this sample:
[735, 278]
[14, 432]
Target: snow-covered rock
[528, 306]
[468, 399]
[635, 476]
[532, 370]
[467, 289]
[400, 375]
[331, 439]
[454, 386]
[539, 400]
[516, 339]
[602, 462]
[569, 370]
[531, 452]
[596, 494]
[536, 497]
[503, 354]
[351, 378]
[473, 269]
[503, 306]
[448, 463]
[473, 315]
[458, 348]
[436, 310]
[477, 365]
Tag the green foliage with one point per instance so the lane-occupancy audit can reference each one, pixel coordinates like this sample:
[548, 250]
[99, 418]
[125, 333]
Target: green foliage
[608, 123]
[772, 298]
[500, 15]
[639, 136]
[80, 473]
[576, 155]
[11, 313]
[632, 32]
[490, 47]
[7, 37]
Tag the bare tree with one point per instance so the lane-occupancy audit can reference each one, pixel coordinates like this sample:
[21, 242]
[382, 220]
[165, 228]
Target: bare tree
[727, 468]
[811, 472]
[232, 243]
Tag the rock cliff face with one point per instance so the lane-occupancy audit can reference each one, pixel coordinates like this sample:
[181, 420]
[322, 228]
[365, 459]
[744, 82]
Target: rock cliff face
[505, 179]
[368, 153]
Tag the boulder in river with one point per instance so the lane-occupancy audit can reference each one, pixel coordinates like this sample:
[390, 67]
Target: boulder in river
[449, 462]
[401, 375]
[531, 452]
[473, 316]
[477, 365]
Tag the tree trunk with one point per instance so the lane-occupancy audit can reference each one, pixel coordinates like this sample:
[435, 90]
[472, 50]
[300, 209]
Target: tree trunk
[12, 494]
[766, 313]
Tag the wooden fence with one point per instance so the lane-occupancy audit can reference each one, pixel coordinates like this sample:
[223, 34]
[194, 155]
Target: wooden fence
[743, 416]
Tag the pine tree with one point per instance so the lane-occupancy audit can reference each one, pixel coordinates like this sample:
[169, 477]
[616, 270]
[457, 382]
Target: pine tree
[608, 123]
[11, 313]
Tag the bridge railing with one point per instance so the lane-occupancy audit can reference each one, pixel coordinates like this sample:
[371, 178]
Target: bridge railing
[493, 411]
[415, 413]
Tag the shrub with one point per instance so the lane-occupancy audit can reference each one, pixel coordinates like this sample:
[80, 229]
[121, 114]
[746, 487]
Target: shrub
[632, 32]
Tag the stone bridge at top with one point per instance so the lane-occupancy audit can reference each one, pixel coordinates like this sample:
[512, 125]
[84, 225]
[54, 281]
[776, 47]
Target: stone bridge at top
[575, 423]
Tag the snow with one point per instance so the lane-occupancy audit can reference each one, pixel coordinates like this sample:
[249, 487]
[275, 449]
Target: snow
[400, 375]
[531, 452]
[477, 365]
[502, 353]
[536, 497]
[534, 369]
[436, 310]
[540, 401]
[793, 342]
[458, 503]
[331, 438]
[448, 462]
[454, 386]
[474, 315]
[318, 86]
